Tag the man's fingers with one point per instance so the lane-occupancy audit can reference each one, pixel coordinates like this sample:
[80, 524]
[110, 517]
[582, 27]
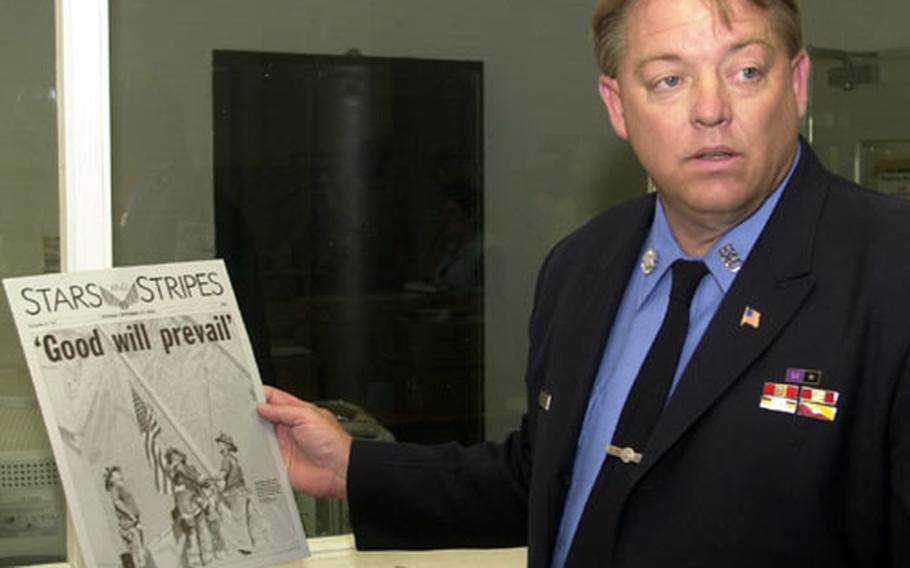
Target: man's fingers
[287, 415]
[278, 396]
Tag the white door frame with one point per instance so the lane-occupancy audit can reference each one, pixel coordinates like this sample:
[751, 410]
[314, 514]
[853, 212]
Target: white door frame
[83, 134]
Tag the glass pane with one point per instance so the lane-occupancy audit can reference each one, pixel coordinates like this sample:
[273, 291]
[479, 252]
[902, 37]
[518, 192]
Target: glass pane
[347, 192]
[860, 124]
[383, 181]
[31, 500]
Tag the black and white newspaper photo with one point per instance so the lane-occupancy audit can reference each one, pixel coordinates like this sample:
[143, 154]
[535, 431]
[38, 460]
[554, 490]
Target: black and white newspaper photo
[148, 387]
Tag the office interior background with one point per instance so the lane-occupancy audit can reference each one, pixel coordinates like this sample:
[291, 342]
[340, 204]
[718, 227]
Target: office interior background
[383, 180]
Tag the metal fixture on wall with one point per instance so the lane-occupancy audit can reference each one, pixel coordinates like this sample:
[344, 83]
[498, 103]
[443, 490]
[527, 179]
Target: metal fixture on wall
[851, 73]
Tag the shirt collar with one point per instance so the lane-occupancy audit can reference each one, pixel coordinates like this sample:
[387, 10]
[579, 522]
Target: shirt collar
[723, 259]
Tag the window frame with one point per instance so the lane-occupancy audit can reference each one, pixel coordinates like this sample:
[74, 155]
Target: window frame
[84, 152]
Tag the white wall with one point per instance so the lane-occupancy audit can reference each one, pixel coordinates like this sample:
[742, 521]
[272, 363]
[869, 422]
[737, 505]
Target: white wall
[856, 25]
[28, 160]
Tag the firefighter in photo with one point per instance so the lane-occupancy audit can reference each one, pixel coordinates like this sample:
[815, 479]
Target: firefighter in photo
[130, 527]
[190, 527]
[236, 496]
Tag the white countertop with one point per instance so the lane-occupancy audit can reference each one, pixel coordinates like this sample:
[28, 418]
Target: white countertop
[339, 552]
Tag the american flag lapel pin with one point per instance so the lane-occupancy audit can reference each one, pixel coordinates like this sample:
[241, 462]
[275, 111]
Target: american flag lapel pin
[751, 317]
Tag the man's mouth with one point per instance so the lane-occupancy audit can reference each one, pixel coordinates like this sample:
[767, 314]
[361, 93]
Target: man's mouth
[715, 154]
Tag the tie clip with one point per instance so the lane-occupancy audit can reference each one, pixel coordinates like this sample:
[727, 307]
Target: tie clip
[625, 454]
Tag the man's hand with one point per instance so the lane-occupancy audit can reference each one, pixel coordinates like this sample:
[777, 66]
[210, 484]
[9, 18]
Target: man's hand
[314, 446]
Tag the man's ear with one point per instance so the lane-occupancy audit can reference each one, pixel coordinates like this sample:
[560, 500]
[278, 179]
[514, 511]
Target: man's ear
[799, 73]
[612, 98]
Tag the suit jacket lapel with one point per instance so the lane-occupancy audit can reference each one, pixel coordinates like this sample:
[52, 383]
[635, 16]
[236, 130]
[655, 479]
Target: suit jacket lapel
[775, 280]
[582, 330]
[579, 336]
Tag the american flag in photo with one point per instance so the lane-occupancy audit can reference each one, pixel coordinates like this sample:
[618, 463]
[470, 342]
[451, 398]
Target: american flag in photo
[150, 430]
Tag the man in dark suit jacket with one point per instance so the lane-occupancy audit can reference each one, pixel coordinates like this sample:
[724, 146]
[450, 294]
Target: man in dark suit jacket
[786, 441]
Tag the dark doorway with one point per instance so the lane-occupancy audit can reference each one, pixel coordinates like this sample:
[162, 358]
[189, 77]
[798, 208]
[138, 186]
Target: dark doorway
[349, 212]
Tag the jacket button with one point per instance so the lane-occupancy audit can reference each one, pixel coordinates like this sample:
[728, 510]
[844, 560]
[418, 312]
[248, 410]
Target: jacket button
[565, 479]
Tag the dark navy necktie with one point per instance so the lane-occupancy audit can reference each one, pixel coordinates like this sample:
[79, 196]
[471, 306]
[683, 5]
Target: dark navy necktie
[592, 545]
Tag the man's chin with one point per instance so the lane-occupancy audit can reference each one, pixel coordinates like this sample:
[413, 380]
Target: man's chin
[712, 207]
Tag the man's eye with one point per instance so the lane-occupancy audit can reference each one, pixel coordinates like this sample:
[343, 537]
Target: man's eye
[750, 73]
[668, 82]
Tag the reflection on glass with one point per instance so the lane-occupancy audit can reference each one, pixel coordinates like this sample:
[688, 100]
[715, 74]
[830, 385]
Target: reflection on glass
[859, 122]
[350, 199]
[885, 165]
[32, 522]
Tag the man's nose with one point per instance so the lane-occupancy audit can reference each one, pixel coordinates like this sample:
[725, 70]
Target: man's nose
[711, 104]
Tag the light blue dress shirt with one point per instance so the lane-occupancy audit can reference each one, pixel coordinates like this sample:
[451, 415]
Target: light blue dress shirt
[639, 317]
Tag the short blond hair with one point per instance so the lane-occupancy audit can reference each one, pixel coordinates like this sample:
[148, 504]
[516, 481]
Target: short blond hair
[610, 18]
